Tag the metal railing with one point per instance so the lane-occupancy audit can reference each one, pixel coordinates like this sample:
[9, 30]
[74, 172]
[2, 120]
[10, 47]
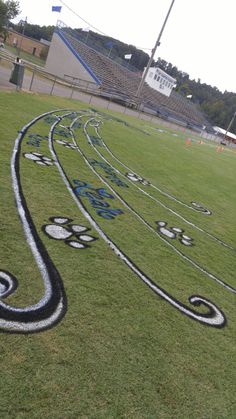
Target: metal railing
[38, 80]
[107, 52]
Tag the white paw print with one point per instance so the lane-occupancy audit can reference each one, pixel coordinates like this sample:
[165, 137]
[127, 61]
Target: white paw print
[73, 235]
[137, 178]
[38, 158]
[201, 208]
[173, 233]
[66, 144]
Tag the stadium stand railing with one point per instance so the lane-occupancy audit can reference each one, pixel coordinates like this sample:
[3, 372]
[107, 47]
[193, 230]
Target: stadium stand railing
[82, 36]
[122, 83]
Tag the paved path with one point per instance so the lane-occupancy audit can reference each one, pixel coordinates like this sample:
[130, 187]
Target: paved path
[42, 85]
[4, 79]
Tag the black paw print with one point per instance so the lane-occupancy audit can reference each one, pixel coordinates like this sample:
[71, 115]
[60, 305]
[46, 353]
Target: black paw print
[173, 233]
[38, 158]
[73, 235]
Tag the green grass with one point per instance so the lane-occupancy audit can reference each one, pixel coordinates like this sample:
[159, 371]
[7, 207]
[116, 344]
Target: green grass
[120, 351]
[26, 56]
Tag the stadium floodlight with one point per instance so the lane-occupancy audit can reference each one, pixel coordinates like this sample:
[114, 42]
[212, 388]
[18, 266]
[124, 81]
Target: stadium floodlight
[140, 87]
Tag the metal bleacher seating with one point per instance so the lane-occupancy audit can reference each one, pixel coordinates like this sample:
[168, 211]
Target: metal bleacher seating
[123, 83]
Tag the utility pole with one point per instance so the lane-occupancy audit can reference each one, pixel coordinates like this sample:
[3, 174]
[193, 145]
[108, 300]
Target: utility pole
[22, 35]
[140, 87]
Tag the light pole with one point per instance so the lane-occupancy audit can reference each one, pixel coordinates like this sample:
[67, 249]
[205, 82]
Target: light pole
[86, 30]
[229, 126]
[140, 87]
[111, 46]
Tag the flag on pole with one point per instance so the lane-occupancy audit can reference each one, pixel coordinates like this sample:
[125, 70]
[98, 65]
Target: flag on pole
[109, 44]
[56, 9]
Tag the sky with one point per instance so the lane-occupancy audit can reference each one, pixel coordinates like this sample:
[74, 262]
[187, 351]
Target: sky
[199, 37]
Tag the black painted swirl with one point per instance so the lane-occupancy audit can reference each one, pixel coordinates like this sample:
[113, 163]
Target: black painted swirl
[52, 306]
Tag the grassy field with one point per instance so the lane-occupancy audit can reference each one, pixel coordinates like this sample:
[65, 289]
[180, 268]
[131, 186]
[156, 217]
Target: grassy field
[26, 56]
[120, 347]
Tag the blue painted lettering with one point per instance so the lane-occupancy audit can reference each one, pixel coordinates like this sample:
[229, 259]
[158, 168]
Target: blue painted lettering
[96, 197]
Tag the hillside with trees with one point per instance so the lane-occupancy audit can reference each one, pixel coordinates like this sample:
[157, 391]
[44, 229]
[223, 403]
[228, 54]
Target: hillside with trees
[8, 10]
[218, 106]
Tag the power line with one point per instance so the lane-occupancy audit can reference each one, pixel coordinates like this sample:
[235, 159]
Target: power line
[85, 21]
[90, 25]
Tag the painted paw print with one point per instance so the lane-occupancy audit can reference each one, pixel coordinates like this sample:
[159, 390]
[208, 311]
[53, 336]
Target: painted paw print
[72, 234]
[66, 144]
[201, 208]
[38, 158]
[174, 233]
[137, 178]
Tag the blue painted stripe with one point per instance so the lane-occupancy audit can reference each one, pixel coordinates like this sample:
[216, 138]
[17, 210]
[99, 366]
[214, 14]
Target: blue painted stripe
[76, 54]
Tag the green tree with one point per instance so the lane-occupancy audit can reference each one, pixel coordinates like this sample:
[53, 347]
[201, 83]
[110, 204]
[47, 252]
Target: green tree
[35, 31]
[44, 53]
[8, 10]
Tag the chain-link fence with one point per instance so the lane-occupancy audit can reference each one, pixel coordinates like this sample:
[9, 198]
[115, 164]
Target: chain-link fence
[35, 79]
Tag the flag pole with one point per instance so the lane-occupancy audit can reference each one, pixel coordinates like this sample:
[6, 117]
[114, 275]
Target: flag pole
[109, 53]
[56, 9]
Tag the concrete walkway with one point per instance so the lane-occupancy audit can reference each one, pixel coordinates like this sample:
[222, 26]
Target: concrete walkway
[4, 79]
[45, 86]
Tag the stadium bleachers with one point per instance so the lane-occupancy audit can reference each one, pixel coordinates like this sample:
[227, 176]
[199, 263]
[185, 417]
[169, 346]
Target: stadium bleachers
[117, 78]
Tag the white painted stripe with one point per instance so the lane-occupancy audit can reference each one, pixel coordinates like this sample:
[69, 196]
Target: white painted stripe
[171, 245]
[217, 319]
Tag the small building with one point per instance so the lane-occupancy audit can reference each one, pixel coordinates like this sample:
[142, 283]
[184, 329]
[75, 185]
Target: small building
[30, 45]
[45, 42]
[225, 135]
[160, 81]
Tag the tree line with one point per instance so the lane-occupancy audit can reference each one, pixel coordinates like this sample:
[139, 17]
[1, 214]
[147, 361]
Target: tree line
[218, 107]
